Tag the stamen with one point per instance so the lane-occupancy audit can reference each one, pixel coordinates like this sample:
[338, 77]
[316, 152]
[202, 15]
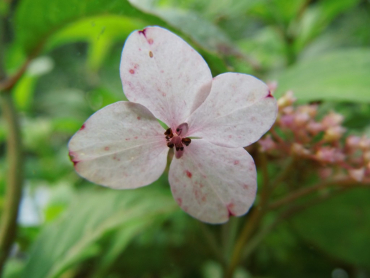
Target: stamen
[186, 141]
[168, 133]
[176, 139]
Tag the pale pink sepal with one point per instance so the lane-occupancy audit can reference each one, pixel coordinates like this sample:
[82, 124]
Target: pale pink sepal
[165, 74]
[237, 112]
[211, 183]
[120, 146]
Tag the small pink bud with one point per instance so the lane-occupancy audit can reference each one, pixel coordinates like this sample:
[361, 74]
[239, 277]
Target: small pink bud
[328, 154]
[288, 110]
[334, 133]
[286, 100]
[332, 119]
[364, 143]
[314, 127]
[286, 120]
[266, 144]
[353, 142]
[311, 110]
[357, 174]
[298, 149]
[301, 118]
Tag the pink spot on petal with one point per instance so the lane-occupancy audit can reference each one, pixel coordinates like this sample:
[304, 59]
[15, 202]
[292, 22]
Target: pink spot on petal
[204, 198]
[135, 137]
[82, 127]
[150, 41]
[139, 118]
[106, 148]
[230, 207]
[127, 139]
[245, 186]
[236, 162]
[201, 185]
[230, 136]
[116, 158]
[179, 201]
[189, 174]
[132, 71]
[142, 32]
[164, 94]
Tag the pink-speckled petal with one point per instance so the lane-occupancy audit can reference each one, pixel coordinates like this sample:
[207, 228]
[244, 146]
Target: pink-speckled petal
[120, 146]
[211, 183]
[165, 74]
[237, 112]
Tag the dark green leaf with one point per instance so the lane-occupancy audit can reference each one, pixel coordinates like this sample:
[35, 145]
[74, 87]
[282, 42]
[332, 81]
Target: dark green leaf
[74, 237]
[338, 76]
[340, 226]
[36, 20]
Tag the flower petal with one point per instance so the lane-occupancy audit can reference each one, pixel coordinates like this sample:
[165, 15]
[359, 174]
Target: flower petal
[211, 182]
[237, 112]
[120, 146]
[165, 74]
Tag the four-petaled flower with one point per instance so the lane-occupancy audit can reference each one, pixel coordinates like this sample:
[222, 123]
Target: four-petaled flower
[210, 121]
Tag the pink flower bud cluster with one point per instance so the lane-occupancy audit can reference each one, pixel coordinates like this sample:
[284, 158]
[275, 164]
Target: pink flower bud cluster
[298, 132]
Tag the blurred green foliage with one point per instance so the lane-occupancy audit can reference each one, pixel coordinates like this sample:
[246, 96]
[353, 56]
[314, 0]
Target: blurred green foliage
[320, 49]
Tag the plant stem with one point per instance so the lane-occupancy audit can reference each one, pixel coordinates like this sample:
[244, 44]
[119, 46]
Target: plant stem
[284, 173]
[212, 243]
[254, 219]
[294, 210]
[13, 192]
[8, 225]
[307, 190]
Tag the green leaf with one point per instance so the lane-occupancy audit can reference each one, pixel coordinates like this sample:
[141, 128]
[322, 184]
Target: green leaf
[99, 31]
[74, 238]
[317, 17]
[36, 20]
[202, 32]
[340, 226]
[277, 12]
[337, 76]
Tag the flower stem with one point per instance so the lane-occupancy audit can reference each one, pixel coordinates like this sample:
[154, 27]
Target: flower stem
[212, 243]
[252, 222]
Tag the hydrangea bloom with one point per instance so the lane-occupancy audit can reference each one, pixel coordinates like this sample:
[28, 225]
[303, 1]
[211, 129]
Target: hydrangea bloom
[210, 121]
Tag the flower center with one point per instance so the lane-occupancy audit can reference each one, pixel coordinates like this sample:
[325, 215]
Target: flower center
[177, 139]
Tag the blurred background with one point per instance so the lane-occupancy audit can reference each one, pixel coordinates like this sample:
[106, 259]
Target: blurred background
[68, 227]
